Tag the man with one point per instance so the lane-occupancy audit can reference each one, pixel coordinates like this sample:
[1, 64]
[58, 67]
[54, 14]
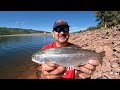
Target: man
[52, 71]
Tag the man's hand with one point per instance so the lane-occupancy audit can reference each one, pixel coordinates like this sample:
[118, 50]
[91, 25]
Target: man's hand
[86, 70]
[52, 71]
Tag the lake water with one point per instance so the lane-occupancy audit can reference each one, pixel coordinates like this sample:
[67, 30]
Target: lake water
[17, 50]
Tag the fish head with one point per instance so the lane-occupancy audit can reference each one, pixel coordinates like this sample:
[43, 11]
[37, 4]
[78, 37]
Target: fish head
[37, 58]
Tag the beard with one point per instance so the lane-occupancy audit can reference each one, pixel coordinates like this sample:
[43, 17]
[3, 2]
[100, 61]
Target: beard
[62, 39]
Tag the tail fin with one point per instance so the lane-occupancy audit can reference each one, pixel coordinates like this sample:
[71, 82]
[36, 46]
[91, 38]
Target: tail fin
[103, 53]
[100, 57]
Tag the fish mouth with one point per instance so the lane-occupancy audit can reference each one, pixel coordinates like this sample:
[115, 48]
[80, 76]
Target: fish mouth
[35, 61]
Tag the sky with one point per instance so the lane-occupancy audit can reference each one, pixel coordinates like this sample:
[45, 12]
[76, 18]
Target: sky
[44, 20]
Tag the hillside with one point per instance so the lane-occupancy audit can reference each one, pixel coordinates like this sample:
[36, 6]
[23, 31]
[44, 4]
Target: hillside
[10, 31]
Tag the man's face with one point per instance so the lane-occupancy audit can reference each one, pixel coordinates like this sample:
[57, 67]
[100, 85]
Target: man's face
[61, 34]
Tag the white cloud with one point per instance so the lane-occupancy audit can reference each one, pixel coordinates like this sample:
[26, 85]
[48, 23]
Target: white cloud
[21, 22]
[16, 22]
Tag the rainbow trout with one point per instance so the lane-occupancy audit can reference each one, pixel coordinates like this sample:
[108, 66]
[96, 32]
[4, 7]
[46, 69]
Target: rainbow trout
[66, 56]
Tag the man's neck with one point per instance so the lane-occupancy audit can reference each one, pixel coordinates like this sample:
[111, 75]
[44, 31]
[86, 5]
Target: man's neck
[61, 45]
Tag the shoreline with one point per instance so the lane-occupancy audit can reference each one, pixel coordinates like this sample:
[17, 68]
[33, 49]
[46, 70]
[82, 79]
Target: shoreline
[33, 34]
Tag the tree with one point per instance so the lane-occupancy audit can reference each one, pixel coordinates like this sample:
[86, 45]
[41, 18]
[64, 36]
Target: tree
[107, 18]
[100, 15]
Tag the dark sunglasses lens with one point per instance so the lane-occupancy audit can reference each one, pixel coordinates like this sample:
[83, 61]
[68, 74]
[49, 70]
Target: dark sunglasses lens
[58, 29]
[66, 29]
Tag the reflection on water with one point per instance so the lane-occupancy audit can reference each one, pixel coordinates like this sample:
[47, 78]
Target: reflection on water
[18, 50]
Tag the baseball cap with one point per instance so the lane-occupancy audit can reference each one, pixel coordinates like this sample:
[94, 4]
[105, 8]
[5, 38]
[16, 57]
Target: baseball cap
[60, 22]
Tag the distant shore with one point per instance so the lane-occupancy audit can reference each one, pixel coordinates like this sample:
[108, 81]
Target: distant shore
[33, 34]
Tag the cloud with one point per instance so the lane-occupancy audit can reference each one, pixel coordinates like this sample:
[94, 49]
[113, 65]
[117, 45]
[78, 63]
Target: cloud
[21, 22]
[16, 22]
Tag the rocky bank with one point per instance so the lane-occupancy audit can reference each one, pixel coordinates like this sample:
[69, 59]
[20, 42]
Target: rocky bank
[100, 40]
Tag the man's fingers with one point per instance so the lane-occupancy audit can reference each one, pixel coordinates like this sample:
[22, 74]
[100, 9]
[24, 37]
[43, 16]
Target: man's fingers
[85, 70]
[55, 73]
[84, 76]
[50, 76]
[89, 66]
[53, 77]
[45, 67]
[51, 64]
[94, 62]
[58, 71]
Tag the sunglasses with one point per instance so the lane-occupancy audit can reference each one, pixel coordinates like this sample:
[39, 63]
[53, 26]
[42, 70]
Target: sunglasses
[59, 29]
